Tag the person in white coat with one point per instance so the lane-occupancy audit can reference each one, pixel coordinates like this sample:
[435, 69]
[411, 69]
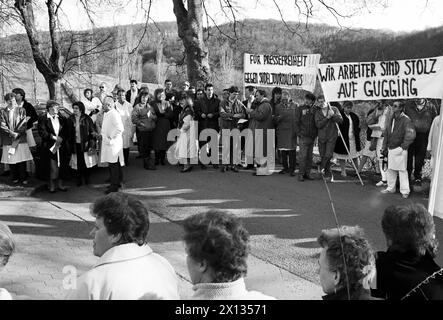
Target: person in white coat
[433, 141]
[124, 108]
[112, 144]
[7, 248]
[127, 268]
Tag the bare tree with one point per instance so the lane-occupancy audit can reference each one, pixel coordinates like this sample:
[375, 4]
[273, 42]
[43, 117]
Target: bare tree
[64, 55]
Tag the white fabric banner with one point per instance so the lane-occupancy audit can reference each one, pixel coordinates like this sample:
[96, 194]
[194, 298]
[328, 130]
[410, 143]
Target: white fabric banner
[397, 79]
[298, 71]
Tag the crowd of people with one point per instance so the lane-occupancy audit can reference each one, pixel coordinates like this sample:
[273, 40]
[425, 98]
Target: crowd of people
[217, 247]
[105, 125]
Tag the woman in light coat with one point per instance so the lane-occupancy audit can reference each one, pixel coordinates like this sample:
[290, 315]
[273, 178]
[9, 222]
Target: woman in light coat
[127, 268]
[187, 143]
[124, 108]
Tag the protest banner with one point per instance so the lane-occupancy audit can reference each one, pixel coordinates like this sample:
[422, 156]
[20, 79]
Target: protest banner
[397, 79]
[297, 71]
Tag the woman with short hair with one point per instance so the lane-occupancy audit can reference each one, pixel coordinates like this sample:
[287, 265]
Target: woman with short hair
[127, 268]
[82, 142]
[347, 264]
[7, 248]
[54, 152]
[407, 270]
[15, 148]
[217, 247]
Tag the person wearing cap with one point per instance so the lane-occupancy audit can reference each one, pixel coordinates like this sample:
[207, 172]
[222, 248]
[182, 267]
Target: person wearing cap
[421, 115]
[231, 110]
[7, 248]
[144, 118]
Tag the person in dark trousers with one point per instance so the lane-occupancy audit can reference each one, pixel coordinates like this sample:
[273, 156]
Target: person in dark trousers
[421, 115]
[326, 119]
[249, 103]
[407, 269]
[284, 121]
[306, 131]
[164, 113]
[207, 113]
[82, 139]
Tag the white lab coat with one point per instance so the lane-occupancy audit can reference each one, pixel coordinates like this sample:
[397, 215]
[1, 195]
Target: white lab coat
[128, 272]
[125, 111]
[112, 138]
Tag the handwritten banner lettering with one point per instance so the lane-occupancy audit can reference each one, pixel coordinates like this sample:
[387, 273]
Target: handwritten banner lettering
[285, 71]
[400, 79]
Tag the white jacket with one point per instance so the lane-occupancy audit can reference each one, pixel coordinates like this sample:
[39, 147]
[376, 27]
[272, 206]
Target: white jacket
[112, 138]
[128, 272]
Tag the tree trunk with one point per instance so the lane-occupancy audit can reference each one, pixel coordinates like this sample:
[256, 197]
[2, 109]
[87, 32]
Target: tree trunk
[190, 31]
[54, 88]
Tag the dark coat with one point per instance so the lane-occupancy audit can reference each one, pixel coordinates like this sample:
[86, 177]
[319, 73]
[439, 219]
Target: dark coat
[227, 112]
[402, 135]
[399, 273]
[327, 129]
[344, 128]
[128, 96]
[176, 110]
[207, 106]
[305, 121]
[284, 121]
[163, 125]
[422, 119]
[45, 130]
[87, 134]
[30, 112]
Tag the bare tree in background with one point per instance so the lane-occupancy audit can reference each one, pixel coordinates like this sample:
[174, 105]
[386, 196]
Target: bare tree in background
[63, 54]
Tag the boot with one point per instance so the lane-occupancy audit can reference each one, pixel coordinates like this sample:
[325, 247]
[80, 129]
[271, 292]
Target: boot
[146, 163]
[151, 161]
[292, 162]
[284, 161]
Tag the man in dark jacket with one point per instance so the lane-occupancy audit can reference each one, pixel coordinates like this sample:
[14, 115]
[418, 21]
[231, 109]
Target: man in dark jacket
[399, 135]
[132, 93]
[207, 113]
[307, 132]
[421, 116]
[326, 119]
[261, 120]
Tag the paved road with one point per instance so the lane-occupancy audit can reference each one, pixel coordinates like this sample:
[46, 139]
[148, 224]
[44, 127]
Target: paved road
[283, 216]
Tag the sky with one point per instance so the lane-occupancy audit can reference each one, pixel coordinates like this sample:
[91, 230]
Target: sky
[394, 15]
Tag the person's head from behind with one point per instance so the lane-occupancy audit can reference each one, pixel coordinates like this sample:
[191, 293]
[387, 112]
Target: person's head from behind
[108, 104]
[133, 84]
[409, 228]
[7, 245]
[217, 247]
[52, 107]
[20, 94]
[119, 219]
[78, 108]
[358, 254]
[10, 100]
[309, 99]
